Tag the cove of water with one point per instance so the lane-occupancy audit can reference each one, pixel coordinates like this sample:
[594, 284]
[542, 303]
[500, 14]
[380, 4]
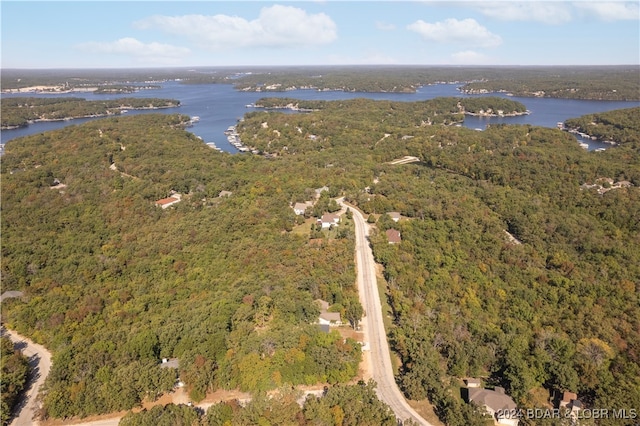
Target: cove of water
[220, 106]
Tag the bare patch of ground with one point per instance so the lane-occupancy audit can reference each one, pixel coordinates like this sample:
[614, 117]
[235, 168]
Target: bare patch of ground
[425, 409]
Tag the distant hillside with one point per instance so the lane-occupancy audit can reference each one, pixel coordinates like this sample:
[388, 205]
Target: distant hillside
[573, 82]
[594, 83]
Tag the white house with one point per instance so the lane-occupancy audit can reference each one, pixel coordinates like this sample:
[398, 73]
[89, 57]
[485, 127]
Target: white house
[300, 208]
[329, 219]
[327, 318]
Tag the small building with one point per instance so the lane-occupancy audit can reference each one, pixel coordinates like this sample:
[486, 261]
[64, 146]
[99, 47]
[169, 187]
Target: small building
[495, 402]
[321, 190]
[300, 208]
[473, 383]
[170, 363]
[395, 216]
[326, 317]
[570, 402]
[393, 236]
[169, 201]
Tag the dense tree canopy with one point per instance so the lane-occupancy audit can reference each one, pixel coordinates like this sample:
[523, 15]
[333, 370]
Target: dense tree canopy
[15, 370]
[518, 262]
[113, 283]
[18, 112]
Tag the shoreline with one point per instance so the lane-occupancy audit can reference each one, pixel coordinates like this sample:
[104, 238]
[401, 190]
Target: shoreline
[54, 90]
[42, 120]
[577, 132]
[511, 114]
[60, 90]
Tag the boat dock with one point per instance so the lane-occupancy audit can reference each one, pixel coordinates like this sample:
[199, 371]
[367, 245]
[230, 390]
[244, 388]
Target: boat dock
[214, 146]
[234, 139]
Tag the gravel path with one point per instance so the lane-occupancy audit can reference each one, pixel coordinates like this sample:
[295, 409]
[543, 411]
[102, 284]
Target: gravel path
[39, 366]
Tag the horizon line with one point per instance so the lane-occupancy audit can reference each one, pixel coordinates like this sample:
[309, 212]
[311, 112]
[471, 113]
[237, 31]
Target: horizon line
[316, 65]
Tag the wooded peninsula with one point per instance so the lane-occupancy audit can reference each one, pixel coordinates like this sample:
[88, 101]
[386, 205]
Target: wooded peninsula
[518, 261]
[19, 112]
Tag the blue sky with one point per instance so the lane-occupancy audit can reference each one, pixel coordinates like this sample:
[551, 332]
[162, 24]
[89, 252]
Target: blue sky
[117, 34]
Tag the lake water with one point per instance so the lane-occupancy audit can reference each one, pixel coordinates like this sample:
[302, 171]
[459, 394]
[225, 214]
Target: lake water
[220, 106]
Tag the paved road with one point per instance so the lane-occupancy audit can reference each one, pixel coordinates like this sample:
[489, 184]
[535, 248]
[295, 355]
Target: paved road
[39, 364]
[382, 371]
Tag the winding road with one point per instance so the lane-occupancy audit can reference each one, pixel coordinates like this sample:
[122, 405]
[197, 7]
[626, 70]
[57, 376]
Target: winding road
[373, 325]
[39, 365]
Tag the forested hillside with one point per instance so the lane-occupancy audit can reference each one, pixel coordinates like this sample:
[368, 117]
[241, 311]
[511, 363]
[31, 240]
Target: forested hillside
[519, 258]
[114, 283]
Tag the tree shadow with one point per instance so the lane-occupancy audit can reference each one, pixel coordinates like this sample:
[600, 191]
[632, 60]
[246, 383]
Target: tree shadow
[34, 374]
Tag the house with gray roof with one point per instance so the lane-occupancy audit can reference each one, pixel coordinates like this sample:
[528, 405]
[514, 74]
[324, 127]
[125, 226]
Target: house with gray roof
[495, 402]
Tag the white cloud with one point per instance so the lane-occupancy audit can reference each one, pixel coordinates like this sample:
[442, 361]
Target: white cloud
[611, 11]
[554, 11]
[548, 12]
[469, 57]
[278, 26]
[149, 52]
[466, 31]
